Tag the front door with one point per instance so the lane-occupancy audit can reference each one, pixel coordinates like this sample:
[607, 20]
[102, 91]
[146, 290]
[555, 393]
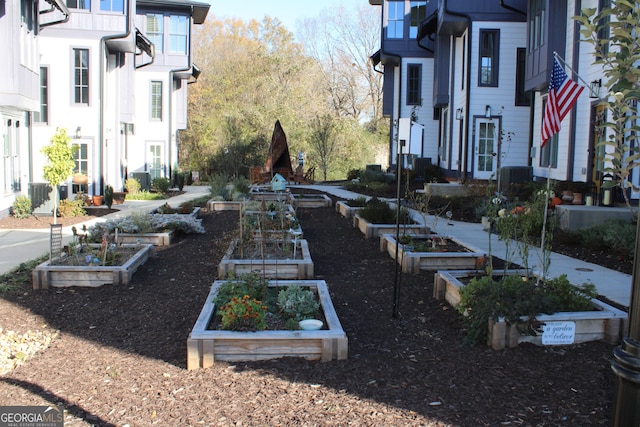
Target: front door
[154, 161]
[486, 146]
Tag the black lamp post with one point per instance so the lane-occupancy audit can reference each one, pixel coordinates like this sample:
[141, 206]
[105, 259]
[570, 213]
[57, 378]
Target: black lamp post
[626, 362]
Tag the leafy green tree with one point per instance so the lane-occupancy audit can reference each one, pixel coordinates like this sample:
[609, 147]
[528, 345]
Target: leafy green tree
[60, 163]
[323, 141]
[612, 33]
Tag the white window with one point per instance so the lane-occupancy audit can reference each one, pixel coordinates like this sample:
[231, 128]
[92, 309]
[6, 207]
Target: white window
[395, 19]
[81, 76]
[156, 100]
[155, 30]
[178, 34]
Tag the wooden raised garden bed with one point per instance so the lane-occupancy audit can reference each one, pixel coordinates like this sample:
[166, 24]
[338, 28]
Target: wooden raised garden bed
[465, 256]
[345, 210]
[224, 205]
[206, 346]
[374, 230]
[299, 268]
[604, 322]
[157, 239]
[312, 201]
[45, 275]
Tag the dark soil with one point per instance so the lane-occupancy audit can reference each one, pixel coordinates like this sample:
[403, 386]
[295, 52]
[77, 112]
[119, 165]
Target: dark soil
[120, 356]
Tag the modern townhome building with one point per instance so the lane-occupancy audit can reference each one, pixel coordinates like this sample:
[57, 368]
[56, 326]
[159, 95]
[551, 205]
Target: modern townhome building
[114, 74]
[21, 23]
[487, 86]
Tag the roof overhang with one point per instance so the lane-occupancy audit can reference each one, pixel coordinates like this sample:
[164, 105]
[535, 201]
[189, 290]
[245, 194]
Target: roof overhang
[198, 10]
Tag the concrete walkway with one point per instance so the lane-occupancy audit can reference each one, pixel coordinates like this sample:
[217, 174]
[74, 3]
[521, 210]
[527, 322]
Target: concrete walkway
[17, 246]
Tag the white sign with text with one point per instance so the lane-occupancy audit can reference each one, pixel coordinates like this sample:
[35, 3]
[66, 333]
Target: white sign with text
[558, 333]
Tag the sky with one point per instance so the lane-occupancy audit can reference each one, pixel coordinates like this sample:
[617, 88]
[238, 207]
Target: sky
[287, 11]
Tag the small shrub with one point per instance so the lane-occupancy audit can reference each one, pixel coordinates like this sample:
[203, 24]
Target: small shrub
[353, 174]
[298, 303]
[83, 199]
[132, 186]
[161, 184]
[243, 314]
[514, 296]
[377, 211]
[71, 208]
[247, 284]
[358, 202]
[186, 207]
[21, 207]
[180, 179]
[108, 196]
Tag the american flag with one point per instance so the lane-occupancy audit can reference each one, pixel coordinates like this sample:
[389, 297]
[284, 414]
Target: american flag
[563, 93]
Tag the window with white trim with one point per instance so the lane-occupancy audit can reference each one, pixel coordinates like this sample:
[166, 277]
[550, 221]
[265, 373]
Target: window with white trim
[178, 34]
[81, 76]
[155, 30]
[156, 100]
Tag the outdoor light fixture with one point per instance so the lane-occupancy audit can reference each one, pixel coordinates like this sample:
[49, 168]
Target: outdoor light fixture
[78, 132]
[487, 111]
[594, 88]
[459, 114]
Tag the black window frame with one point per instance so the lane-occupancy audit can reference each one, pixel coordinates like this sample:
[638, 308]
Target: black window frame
[494, 54]
[414, 84]
[523, 98]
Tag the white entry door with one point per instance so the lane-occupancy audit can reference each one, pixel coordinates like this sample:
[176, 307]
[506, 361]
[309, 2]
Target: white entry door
[486, 147]
[154, 161]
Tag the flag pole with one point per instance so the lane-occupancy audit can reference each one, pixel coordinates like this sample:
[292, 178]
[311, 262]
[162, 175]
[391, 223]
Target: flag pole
[564, 63]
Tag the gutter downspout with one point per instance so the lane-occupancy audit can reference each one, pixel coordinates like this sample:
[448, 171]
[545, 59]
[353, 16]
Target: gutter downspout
[170, 102]
[103, 52]
[62, 8]
[463, 163]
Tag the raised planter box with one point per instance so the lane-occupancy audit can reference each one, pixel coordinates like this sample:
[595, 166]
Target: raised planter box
[603, 323]
[312, 201]
[156, 239]
[224, 205]
[282, 196]
[45, 275]
[295, 269]
[206, 346]
[345, 210]
[413, 261]
[195, 212]
[374, 230]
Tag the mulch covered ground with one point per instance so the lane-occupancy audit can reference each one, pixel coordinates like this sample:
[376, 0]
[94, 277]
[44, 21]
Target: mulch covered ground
[120, 356]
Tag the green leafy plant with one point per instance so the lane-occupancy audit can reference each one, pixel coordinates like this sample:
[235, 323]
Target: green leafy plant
[243, 314]
[71, 208]
[161, 184]
[132, 186]
[617, 54]
[22, 207]
[108, 196]
[358, 202]
[60, 163]
[298, 303]
[513, 296]
[377, 211]
[236, 287]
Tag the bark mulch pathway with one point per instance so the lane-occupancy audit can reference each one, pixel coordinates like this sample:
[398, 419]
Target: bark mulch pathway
[119, 358]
